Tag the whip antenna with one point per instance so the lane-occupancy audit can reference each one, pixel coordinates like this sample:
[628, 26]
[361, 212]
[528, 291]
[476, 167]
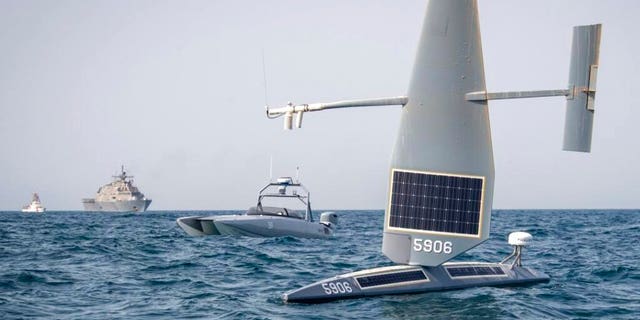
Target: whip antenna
[270, 168]
[264, 78]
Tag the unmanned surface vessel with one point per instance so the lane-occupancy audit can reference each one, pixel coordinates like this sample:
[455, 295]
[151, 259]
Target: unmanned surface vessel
[118, 196]
[264, 221]
[441, 178]
[35, 206]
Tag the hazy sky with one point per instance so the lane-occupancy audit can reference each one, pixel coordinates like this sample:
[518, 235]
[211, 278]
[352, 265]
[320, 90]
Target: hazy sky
[174, 90]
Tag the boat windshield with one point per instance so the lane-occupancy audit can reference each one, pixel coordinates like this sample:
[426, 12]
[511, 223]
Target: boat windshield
[276, 211]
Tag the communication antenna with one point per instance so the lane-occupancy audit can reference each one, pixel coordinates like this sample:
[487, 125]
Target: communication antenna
[264, 78]
[441, 177]
[270, 168]
[297, 174]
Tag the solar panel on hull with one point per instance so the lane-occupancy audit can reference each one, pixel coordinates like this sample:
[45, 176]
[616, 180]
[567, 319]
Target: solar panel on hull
[471, 271]
[391, 278]
[436, 202]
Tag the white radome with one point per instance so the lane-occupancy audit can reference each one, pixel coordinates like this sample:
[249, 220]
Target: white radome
[520, 238]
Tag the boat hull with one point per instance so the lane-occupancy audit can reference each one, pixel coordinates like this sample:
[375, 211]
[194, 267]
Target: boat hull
[404, 279]
[253, 226]
[117, 206]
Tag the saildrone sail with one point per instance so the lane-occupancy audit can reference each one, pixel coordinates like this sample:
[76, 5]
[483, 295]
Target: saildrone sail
[441, 175]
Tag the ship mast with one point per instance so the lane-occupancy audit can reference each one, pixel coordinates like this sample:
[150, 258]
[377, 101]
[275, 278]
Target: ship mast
[123, 174]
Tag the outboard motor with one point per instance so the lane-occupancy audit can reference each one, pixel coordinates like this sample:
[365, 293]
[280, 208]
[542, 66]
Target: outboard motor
[330, 219]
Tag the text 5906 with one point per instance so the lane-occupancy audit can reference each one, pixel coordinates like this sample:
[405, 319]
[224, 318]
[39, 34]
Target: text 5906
[427, 245]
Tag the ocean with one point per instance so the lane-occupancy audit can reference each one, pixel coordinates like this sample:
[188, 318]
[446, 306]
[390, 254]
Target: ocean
[77, 265]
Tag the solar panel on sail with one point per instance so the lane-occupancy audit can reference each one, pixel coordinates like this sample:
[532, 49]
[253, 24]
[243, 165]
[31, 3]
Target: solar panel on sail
[436, 202]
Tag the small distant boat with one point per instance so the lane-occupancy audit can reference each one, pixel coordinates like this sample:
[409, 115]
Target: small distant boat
[35, 205]
[263, 221]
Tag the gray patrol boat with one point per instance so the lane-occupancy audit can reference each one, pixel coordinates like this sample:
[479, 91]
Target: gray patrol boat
[264, 221]
[118, 196]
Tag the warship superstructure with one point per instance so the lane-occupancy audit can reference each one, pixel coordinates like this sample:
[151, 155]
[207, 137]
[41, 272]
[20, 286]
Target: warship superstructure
[118, 196]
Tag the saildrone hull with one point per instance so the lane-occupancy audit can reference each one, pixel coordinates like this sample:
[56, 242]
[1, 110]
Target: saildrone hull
[403, 279]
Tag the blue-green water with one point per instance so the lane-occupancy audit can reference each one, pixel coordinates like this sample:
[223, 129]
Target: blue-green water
[76, 265]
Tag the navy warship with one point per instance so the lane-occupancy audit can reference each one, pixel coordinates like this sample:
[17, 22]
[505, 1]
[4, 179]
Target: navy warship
[118, 196]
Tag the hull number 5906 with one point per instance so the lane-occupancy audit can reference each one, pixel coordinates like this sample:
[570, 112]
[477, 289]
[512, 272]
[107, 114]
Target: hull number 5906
[437, 246]
[337, 287]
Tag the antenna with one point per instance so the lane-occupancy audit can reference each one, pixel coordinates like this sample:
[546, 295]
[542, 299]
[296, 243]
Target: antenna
[264, 77]
[270, 168]
[297, 174]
